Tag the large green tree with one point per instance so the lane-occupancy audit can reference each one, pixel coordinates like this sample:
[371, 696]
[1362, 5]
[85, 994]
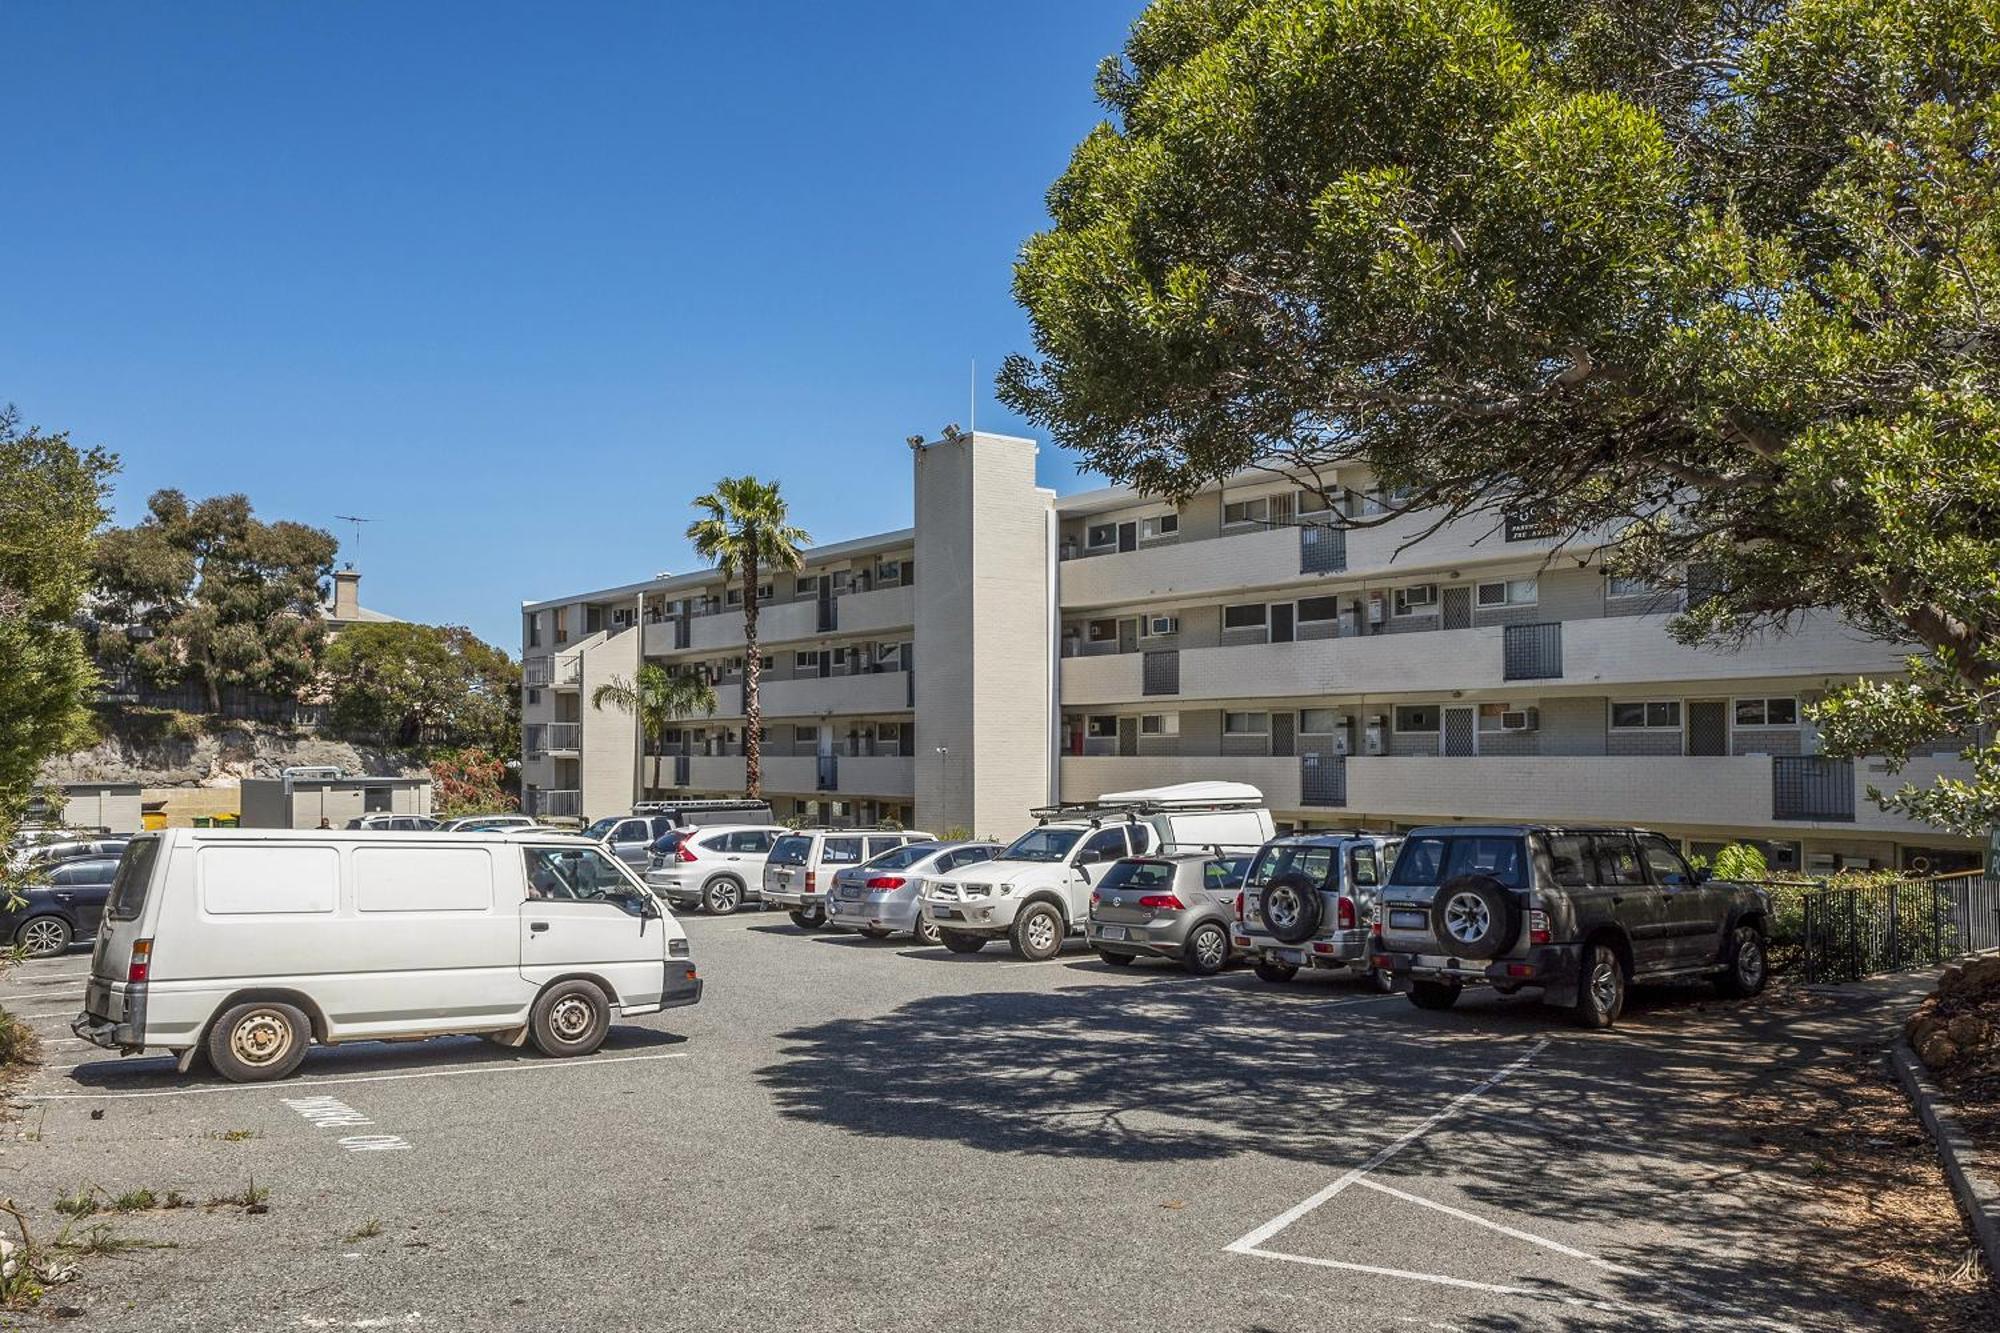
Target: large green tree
[746, 531]
[52, 502]
[405, 684]
[657, 697]
[1717, 276]
[208, 593]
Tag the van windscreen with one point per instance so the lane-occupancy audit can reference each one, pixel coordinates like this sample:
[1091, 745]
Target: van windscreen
[790, 850]
[128, 887]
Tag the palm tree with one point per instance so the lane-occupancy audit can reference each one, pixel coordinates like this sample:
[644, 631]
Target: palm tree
[745, 532]
[658, 698]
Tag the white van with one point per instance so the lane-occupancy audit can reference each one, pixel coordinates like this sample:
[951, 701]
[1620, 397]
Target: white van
[248, 945]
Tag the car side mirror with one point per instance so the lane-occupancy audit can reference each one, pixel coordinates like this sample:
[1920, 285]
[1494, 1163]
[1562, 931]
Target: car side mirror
[1703, 876]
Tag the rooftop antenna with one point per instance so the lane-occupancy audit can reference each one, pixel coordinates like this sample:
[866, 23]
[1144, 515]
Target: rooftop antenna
[357, 521]
[972, 396]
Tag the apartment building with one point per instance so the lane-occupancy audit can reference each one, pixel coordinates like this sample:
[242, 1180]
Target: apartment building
[1012, 646]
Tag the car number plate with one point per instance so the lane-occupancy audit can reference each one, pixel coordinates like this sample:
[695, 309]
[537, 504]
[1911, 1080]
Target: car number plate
[850, 890]
[1406, 920]
[1111, 932]
[945, 913]
[1293, 956]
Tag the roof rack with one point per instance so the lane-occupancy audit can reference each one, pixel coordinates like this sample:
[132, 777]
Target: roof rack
[713, 803]
[1181, 798]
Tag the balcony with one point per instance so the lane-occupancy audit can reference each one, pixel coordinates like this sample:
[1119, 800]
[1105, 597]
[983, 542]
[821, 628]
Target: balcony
[535, 672]
[565, 737]
[535, 739]
[1686, 793]
[818, 696]
[560, 804]
[1160, 672]
[1812, 787]
[777, 622]
[1532, 652]
[566, 671]
[888, 776]
[878, 611]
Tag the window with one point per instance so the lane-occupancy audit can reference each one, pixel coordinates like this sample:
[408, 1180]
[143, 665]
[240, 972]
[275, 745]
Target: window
[805, 661]
[534, 631]
[1246, 724]
[1107, 844]
[808, 733]
[534, 697]
[135, 874]
[1160, 724]
[1249, 615]
[1416, 600]
[1318, 721]
[1319, 608]
[880, 843]
[1315, 863]
[840, 852]
[1246, 511]
[1617, 860]
[561, 617]
[1661, 713]
[1569, 860]
[1166, 525]
[1103, 534]
[575, 873]
[1101, 726]
[1664, 861]
[1630, 586]
[1363, 869]
[1101, 631]
[754, 841]
[1417, 717]
[1435, 860]
[1508, 592]
[1312, 502]
[1778, 712]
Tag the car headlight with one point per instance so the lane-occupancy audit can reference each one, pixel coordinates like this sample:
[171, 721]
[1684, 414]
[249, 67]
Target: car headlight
[1002, 890]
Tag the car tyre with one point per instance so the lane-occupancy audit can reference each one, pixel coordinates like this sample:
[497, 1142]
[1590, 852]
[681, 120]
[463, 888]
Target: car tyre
[924, 932]
[1476, 916]
[808, 918]
[1037, 934]
[258, 1041]
[722, 895]
[1116, 959]
[961, 943]
[43, 936]
[1435, 995]
[1749, 965]
[875, 932]
[1291, 908]
[1206, 951]
[1274, 972]
[570, 1018]
[1601, 986]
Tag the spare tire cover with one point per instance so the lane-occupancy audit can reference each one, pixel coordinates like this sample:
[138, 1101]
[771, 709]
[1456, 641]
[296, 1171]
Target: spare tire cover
[1291, 908]
[1475, 916]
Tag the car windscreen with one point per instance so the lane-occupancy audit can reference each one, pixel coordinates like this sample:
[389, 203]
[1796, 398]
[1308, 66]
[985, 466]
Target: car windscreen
[902, 858]
[1138, 875]
[1433, 860]
[128, 887]
[1280, 858]
[1041, 844]
[790, 850]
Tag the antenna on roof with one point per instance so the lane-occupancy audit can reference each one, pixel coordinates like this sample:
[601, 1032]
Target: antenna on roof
[357, 521]
[972, 396]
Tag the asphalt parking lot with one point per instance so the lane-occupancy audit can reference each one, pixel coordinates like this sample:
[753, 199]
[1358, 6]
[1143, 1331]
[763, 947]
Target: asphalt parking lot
[850, 1134]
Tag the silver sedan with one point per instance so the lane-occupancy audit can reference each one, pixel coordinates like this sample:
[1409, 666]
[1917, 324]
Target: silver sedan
[881, 897]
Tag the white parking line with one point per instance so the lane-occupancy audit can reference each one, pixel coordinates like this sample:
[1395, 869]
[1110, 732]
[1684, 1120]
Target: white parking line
[1251, 1240]
[523, 1067]
[1488, 1223]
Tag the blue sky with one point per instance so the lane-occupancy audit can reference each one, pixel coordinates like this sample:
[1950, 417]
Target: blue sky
[518, 281]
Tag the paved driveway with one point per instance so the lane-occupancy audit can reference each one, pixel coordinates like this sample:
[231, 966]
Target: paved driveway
[858, 1135]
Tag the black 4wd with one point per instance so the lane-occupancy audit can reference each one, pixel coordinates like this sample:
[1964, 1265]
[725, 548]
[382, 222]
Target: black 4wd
[1582, 913]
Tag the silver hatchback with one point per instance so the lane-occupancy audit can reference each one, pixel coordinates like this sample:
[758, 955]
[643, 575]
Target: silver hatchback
[1174, 905]
[884, 896]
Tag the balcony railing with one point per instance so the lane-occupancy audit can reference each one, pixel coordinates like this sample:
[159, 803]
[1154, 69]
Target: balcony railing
[1532, 652]
[560, 804]
[1162, 672]
[567, 669]
[1811, 786]
[1322, 549]
[565, 735]
[535, 739]
[535, 671]
[1323, 780]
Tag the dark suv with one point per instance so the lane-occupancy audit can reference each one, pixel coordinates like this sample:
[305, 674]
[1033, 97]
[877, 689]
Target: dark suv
[1580, 912]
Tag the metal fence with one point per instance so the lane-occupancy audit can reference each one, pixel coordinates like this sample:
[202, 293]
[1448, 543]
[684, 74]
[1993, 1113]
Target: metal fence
[1322, 549]
[1323, 780]
[1856, 931]
[1532, 652]
[1161, 672]
[1811, 786]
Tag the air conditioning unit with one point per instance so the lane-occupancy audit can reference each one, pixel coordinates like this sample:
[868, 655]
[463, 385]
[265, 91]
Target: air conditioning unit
[1165, 625]
[1377, 611]
[1521, 719]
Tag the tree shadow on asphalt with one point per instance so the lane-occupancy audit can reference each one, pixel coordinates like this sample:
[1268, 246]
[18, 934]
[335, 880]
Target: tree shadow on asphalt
[139, 1073]
[1685, 1133]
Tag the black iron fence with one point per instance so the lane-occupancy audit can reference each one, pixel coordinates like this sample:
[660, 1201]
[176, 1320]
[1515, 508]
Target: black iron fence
[1161, 672]
[1323, 780]
[1812, 786]
[1532, 652]
[1322, 549]
[1852, 931]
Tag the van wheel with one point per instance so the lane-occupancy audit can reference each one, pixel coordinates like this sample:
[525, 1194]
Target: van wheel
[722, 896]
[1038, 933]
[924, 932]
[1434, 994]
[959, 943]
[1275, 972]
[258, 1041]
[1207, 950]
[571, 1018]
[1600, 994]
[43, 936]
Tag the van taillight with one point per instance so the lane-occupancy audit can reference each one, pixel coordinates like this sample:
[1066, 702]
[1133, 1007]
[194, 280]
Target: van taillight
[141, 965]
[1343, 912]
[812, 881]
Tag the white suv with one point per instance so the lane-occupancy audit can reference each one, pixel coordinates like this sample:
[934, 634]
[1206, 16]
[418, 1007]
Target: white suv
[1037, 891]
[717, 869]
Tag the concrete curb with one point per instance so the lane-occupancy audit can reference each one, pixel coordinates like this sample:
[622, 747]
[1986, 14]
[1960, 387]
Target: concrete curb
[1978, 1193]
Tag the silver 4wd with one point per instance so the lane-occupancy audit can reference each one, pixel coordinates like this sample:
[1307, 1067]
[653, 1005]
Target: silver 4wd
[1581, 913]
[1036, 892]
[1309, 902]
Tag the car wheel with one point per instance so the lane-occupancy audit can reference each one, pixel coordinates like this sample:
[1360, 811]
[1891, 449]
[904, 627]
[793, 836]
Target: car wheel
[43, 936]
[1274, 972]
[807, 919]
[1206, 951]
[1291, 908]
[722, 896]
[1476, 917]
[1038, 933]
[924, 932]
[1116, 959]
[875, 932]
[571, 1018]
[1749, 965]
[959, 943]
[1600, 992]
[1434, 994]
[258, 1041]
[1382, 981]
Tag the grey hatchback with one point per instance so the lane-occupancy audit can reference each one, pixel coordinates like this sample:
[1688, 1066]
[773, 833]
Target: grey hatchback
[1173, 905]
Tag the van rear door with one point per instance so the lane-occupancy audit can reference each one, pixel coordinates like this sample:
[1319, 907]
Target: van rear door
[139, 868]
[584, 915]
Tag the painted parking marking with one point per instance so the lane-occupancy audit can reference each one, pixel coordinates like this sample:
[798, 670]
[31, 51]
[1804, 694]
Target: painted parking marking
[522, 1067]
[332, 1113]
[1501, 1227]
